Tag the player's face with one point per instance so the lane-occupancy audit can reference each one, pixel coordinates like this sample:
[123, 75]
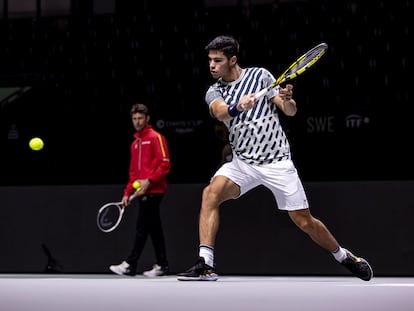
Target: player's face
[139, 120]
[219, 64]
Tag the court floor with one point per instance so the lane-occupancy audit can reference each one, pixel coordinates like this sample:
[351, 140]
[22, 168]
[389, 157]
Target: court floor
[91, 292]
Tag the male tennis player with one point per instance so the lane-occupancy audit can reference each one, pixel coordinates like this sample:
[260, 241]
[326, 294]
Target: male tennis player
[149, 165]
[261, 156]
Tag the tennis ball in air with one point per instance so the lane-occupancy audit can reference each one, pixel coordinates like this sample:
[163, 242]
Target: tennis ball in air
[36, 144]
[136, 184]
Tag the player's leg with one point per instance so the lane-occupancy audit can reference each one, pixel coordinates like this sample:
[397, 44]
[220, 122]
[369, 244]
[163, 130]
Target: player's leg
[320, 234]
[218, 191]
[283, 180]
[316, 230]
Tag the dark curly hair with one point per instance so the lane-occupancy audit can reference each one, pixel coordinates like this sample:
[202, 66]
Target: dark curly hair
[139, 108]
[227, 44]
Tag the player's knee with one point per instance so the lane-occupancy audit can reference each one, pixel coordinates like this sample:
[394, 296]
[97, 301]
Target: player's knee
[212, 196]
[209, 193]
[302, 220]
[206, 191]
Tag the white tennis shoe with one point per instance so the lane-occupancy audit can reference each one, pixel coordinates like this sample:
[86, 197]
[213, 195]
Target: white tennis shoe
[122, 269]
[156, 270]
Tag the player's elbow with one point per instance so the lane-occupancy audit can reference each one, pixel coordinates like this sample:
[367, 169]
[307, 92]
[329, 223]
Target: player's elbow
[222, 116]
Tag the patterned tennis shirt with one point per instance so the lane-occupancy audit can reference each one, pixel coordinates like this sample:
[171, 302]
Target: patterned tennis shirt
[256, 135]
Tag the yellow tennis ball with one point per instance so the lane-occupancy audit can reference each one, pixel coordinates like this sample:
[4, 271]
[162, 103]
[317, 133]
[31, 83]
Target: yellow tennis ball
[136, 184]
[36, 144]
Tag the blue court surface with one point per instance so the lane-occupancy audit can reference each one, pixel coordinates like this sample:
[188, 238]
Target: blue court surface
[91, 292]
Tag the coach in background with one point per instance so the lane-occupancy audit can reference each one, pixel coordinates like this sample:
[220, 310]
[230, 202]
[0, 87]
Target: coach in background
[149, 165]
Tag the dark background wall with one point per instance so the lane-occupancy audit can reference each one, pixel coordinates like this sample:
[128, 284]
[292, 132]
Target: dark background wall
[79, 74]
[373, 219]
[71, 75]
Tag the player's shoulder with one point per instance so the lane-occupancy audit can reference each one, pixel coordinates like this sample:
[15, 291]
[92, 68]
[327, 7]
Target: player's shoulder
[215, 86]
[253, 68]
[255, 71]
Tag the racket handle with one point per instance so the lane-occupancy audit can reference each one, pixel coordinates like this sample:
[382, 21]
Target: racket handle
[261, 93]
[264, 91]
[132, 196]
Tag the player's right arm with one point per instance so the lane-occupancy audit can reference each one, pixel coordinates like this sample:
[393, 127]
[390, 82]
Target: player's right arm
[222, 111]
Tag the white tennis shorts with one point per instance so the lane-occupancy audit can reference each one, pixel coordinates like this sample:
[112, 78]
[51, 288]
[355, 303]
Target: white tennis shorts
[280, 177]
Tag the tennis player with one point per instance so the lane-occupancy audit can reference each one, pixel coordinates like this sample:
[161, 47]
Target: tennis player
[149, 165]
[261, 156]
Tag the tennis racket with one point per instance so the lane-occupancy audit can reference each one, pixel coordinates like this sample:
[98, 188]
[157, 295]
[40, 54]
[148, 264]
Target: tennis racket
[299, 66]
[110, 215]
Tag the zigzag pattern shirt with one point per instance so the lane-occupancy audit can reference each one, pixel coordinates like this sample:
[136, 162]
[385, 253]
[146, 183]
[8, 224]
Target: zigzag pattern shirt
[256, 135]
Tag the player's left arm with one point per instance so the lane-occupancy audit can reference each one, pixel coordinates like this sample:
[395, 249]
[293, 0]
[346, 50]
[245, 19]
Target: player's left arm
[284, 100]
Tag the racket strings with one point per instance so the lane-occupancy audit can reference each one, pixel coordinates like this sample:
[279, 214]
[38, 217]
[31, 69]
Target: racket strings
[307, 60]
[301, 64]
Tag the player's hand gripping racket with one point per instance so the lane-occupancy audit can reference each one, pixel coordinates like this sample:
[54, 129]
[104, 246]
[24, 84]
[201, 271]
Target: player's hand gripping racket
[299, 66]
[110, 215]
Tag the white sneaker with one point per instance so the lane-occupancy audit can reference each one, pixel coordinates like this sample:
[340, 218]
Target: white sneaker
[156, 271]
[122, 269]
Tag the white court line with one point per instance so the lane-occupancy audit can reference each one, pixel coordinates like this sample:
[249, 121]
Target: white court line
[394, 284]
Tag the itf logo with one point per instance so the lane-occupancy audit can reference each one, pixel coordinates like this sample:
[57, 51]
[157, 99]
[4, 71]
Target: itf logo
[355, 121]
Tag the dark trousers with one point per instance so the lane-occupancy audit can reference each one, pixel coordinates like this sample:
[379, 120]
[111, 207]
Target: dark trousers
[149, 224]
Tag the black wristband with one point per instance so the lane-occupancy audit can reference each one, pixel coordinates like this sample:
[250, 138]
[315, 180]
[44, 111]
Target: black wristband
[233, 111]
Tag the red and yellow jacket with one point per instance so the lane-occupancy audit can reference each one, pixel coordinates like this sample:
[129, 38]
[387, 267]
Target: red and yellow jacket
[150, 158]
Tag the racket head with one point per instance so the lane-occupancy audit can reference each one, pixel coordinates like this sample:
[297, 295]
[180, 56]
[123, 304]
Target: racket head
[302, 63]
[109, 216]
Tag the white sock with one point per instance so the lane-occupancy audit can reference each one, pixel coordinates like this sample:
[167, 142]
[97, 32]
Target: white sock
[339, 254]
[207, 252]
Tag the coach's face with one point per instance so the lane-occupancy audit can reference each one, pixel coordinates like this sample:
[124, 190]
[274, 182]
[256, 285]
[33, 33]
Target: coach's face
[140, 121]
[220, 65]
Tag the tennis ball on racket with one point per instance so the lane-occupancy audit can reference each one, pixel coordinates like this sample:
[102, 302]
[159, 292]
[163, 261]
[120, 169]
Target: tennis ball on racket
[136, 184]
[36, 144]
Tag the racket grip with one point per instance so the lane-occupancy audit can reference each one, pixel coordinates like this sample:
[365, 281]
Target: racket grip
[260, 93]
[264, 91]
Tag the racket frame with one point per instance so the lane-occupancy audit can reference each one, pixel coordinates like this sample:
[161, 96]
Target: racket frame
[121, 213]
[118, 221]
[288, 74]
